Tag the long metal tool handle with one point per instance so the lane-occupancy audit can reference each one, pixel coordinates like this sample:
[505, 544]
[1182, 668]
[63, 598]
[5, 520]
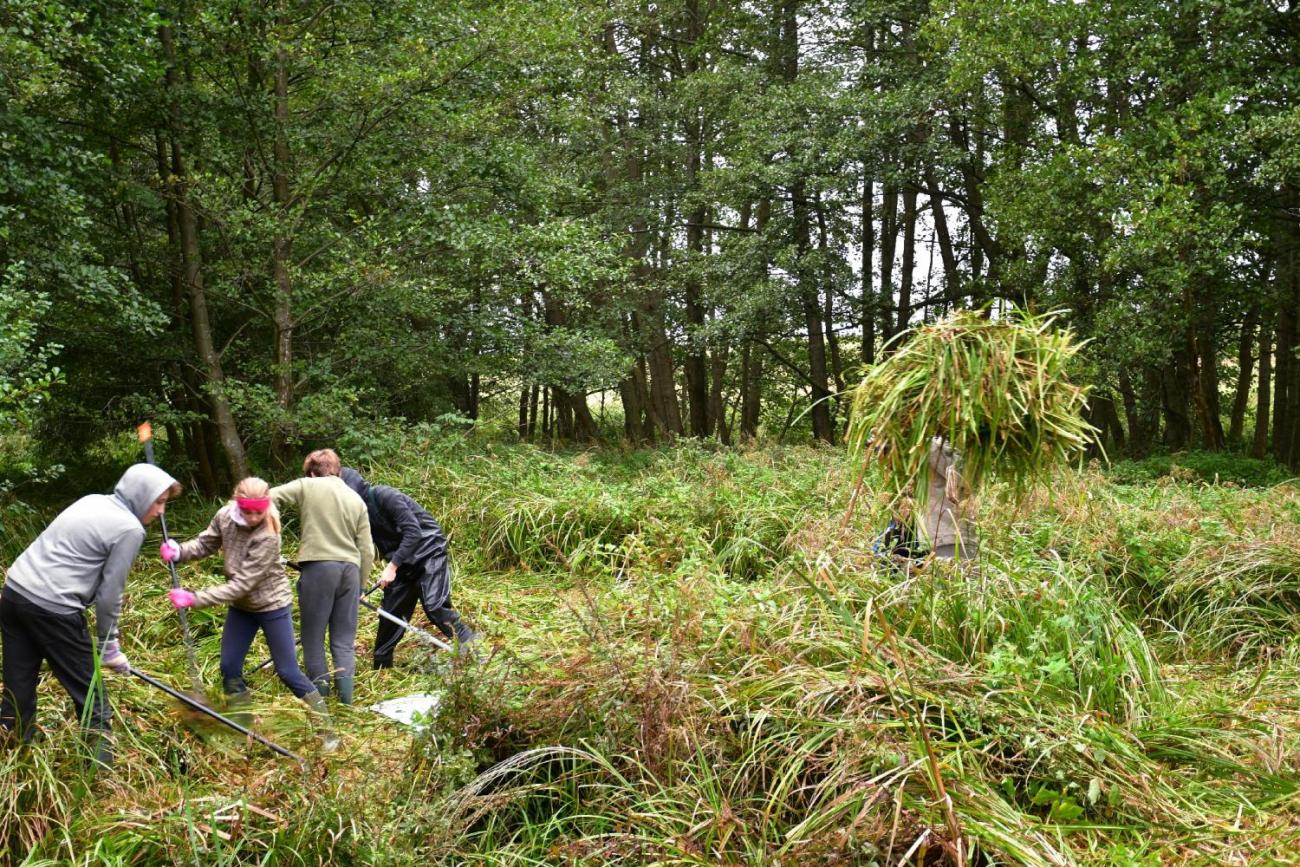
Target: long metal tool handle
[196, 681]
[182, 697]
[183, 614]
[417, 631]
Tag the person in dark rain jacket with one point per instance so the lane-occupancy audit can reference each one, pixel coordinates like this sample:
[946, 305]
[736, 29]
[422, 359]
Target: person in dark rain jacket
[418, 569]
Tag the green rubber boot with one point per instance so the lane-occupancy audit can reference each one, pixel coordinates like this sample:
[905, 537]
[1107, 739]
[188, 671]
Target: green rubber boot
[343, 688]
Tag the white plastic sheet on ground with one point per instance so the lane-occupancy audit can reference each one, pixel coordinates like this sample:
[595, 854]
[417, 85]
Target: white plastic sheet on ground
[407, 708]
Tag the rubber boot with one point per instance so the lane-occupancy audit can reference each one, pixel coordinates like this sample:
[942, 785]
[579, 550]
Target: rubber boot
[383, 662]
[343, 688]
[323, 685]
[101, 745]
[238, 700]
[321, 722]
[458, 632]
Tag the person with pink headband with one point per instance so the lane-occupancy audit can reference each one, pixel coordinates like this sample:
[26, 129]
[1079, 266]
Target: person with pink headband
[247, 531]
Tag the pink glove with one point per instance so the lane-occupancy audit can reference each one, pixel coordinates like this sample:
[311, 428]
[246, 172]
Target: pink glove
[169, 551]
[114, 658]
[181, 597]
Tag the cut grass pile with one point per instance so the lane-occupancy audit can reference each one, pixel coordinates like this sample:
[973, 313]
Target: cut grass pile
[696, 660]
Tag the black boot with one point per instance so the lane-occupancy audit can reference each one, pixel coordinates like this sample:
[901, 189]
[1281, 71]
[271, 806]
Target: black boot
[383, 662]
[457, 631]
[101, 746]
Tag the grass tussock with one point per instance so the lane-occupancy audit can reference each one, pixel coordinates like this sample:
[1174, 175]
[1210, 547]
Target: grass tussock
[696, 659]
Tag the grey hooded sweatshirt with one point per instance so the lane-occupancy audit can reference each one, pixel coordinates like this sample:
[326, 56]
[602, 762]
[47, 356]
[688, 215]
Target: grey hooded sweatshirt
[83, 556]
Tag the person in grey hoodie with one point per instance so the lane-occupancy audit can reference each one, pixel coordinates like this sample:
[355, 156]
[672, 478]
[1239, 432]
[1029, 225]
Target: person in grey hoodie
[79, 561]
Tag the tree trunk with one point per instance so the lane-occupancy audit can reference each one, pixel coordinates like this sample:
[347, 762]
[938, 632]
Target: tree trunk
[1207, 391]
[1286, 392]
[534, 398]
[868, 270]
[984, 249]
[1259, 448]
[663, 386]
[585, 429]
[281, 251]
[823, 428]
[546, 412]
[951, 277]
[187, 226]
[717, 402]
[828, 300]
[909, 260]
[1175, 400]
[696, 367]
[632, 392]
[210, 483]
[1245, 373]
[888, 247]
[1284, 367]
[751, 391]
[523, 411]
[1103, 416]
[1136, 434]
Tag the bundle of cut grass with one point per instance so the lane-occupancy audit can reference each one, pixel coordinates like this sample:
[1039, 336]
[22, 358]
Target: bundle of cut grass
[995, 389]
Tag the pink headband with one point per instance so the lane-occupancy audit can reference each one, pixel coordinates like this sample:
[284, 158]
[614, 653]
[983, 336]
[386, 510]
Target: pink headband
[254, 504]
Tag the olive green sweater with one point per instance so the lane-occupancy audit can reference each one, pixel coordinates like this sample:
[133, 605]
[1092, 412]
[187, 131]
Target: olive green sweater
[334, 521]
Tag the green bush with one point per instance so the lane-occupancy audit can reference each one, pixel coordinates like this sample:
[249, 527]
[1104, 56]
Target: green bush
[1214, 467]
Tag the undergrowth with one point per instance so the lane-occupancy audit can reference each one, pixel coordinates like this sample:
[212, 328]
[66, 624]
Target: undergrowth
[696, 659]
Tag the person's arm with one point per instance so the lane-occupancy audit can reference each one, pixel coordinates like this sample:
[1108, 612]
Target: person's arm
[261, 559]
[288, 494]
[108, 600]
[205, 544]
[397, 509]
[364, 545]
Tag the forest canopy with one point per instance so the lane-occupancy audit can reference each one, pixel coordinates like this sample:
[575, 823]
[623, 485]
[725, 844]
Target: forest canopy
[268, 225]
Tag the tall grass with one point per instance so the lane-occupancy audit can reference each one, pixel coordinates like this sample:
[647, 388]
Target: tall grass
[695, 659]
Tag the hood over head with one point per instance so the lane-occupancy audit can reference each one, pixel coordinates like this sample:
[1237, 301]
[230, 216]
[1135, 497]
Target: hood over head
[355, 481]
[140, 485]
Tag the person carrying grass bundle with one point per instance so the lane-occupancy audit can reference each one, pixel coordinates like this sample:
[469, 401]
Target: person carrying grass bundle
[418, 566]
[962, 401]
[334, 552]
[247, 532]
[943, 528]
[80, 560]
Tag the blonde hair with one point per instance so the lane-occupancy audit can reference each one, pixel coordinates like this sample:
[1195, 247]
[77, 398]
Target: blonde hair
[255, 488]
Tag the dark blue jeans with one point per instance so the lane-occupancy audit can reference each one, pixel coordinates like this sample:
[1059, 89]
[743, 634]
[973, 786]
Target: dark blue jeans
[237, 636]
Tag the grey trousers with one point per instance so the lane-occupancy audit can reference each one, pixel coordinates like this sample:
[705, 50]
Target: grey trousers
[327, 598]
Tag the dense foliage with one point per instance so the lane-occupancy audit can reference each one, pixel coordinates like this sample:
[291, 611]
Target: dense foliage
[268, 224]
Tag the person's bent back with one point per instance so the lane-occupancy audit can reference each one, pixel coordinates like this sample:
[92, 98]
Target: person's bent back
[81, 559]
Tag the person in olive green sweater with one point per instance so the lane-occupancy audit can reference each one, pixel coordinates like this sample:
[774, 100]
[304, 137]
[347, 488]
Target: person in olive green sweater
[335, 553]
